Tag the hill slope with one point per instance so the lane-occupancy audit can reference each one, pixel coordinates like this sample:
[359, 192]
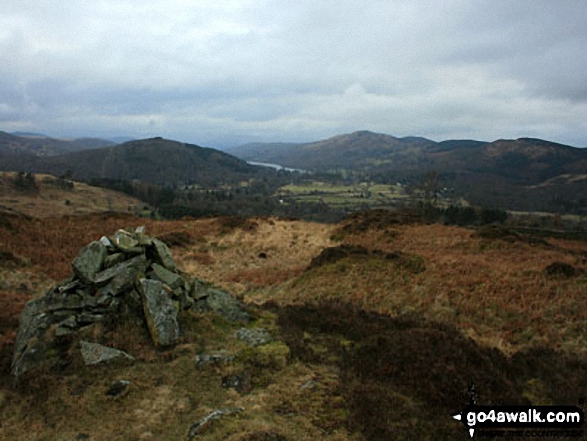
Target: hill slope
[55, 197]
[156, 161]
[40, 145]
[523, 174]
[374, 338]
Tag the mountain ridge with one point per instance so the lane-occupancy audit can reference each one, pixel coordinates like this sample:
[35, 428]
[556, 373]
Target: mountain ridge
[41, 145]
[153, 160]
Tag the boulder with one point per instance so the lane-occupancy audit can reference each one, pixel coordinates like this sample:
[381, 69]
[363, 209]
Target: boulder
[209, 298]
[94, 353]
[160, 314]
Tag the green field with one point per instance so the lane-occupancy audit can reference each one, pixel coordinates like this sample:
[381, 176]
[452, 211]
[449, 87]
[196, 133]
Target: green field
[347, 196]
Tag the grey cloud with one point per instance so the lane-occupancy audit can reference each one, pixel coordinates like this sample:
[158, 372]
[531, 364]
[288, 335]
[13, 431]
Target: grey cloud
[242, 70]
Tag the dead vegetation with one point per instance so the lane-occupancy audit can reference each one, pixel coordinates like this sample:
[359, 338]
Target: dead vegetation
[44, 196]
[378, 333]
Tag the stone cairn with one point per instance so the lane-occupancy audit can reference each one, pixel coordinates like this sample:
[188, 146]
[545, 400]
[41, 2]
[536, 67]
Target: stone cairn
[117, 276]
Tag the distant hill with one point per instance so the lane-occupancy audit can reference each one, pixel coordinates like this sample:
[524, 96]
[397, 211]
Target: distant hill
[155, 161]
[41, 145]
[526, 173]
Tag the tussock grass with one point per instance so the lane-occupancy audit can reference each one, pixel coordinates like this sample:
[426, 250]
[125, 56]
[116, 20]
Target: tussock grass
[366, 347]
[52, 199]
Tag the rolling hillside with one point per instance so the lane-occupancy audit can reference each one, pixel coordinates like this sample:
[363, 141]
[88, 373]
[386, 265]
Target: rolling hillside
[40, 145]
[523, 174]
[155, 161]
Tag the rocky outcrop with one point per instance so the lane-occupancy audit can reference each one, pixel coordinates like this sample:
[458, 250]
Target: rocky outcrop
[126, 274]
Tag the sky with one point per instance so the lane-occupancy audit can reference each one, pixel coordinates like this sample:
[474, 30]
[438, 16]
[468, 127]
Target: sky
[224, 73]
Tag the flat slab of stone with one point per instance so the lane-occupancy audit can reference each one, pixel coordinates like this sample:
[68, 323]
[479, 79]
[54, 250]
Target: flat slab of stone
[122, 277]
[160, 313]
[94, 353]
[89, 261]
[171, 279]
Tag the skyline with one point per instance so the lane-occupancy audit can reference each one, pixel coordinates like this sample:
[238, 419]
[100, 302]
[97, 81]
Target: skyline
[248, 71]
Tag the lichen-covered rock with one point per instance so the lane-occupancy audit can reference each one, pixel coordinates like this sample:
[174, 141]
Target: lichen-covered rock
[94, 353]
[122, 277]
[125, 242]
[171, 279]
[213, 358]
[29, 348]
[217, 300]
[162, 255]
[254, 337]
[160, 313]
[89, 261]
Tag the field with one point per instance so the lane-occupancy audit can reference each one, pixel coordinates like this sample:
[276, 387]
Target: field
[344, 196]
[380, 324]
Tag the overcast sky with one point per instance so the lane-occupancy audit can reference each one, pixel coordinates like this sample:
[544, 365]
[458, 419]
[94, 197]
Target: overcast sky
[223, 72]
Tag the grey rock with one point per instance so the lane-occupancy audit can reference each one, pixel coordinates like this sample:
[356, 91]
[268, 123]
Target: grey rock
[59, 302]
[162, 255]
[240, 382]
[171, 279]
[160, 313]
[106, 242]
[310, 384]
[30, 349]
[254, 337]
[86, 318]
[68, 286]
[94, 353]
[123, 276]
[213, 358]
[225, 304]
[114, 259]
[185, 301]
[70, 322]
[199, 427]
[89, 261]
[117, 388]
[125, 241]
